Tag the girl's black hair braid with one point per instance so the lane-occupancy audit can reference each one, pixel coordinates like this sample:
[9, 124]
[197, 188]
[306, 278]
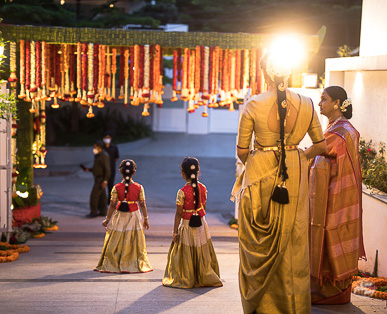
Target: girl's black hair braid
[281, 104]
[127, 169]
[190, 167]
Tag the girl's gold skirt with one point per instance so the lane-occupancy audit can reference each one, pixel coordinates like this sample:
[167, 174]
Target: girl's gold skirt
[192, 262]
[124, 249]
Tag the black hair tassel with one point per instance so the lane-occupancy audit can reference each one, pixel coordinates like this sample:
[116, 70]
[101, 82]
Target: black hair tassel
[280, 194]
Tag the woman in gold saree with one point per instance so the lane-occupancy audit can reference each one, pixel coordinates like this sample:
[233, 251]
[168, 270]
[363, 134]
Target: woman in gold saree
[335, 203]
[273, 236]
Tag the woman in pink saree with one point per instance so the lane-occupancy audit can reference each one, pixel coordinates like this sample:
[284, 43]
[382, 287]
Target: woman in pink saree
[335, 191]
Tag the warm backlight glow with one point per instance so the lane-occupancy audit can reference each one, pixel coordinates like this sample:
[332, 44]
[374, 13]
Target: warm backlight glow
[287, 51]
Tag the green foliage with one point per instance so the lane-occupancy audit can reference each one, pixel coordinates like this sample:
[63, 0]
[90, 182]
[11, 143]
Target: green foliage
[382, 288]
[373, 165]
[49, 14]
[344, 51]
[90, 130]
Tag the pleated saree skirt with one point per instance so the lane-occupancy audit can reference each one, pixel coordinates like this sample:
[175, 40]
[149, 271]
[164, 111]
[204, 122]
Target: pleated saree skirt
[192, 262]
[124, 249]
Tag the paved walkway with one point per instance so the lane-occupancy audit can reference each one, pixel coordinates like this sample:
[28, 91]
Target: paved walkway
[57, 277]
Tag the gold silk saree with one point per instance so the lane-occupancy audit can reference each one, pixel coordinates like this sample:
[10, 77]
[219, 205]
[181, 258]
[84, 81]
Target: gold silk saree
[274, 252]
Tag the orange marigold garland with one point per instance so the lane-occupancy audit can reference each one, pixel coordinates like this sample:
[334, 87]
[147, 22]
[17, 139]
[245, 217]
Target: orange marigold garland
[108, 74]
[79, 72]
[22, 68]
[114, 71]
[126, 76]
[90, 77]
[54, 228]
[145, 91]
[11, 252]
[368, 286]
[159, 75]
[84, 75]
[131, 71]
[121, 80]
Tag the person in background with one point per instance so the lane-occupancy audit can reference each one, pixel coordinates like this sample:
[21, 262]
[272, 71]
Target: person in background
[101, 173]
[112, 151]
[335, 192]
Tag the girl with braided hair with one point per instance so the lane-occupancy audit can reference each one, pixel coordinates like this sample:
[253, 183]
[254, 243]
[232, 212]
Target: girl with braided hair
[273, 195]
[191, 258]
[124, 249]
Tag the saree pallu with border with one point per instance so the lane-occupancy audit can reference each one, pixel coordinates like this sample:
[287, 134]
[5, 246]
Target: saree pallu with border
[192, 261]
[273, 237]
[336, 241]
[124, 249]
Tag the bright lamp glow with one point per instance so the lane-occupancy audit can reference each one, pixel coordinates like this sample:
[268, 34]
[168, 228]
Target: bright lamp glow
[287, 51]
[309, 80]
[1, 50]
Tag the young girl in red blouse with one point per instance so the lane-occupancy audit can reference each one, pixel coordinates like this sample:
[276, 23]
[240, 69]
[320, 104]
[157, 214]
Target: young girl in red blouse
[191, 259]
[124, 250]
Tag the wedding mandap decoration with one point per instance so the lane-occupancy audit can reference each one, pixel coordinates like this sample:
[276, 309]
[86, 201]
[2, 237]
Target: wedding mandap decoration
[86, 73]
[52, 65]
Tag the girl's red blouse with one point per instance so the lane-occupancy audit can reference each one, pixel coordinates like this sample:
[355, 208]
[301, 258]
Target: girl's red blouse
[133, 195]
[188, 196]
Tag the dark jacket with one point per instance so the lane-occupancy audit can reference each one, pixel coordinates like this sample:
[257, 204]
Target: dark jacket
[101, 166]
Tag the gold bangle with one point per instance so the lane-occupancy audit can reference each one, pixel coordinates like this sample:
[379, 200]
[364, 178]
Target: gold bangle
[146, 217]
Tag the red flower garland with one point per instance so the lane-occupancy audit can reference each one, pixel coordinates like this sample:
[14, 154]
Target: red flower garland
[72, 69]
[96, 69]
[141, 79]
[197, 69]
[179, 67]
[131, 70]
[151, 70]
[122, 78]
[84, 67]
[174, 74]
[38, 77]
[28, 65]
[58, 68]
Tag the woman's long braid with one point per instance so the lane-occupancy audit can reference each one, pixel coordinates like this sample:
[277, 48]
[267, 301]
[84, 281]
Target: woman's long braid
[127, 169]
[190, 167]
[282, 105]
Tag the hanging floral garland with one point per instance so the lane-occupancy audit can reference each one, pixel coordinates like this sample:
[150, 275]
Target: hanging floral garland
[131, 71]
[90, 78]
[44, 71]
[136, 71]
[145, 91]
[108, 74]
[72, 91]
[22, 69]
[84, 75]
[126, 76]
[122, 79]
[12, 65]
[259, 75]
[114, 71]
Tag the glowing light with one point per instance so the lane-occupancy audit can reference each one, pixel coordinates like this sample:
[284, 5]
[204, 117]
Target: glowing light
[287, 51]
[111, 5]
[309, 80]
[62, 2]
[21, 194]
[1, 50]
